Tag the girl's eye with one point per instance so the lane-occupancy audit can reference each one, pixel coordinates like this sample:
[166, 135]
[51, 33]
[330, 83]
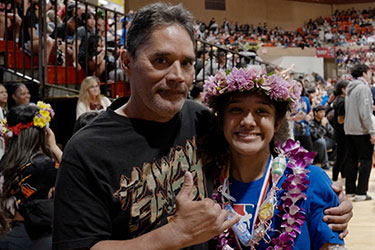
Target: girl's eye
[262, 111]
[235, 110]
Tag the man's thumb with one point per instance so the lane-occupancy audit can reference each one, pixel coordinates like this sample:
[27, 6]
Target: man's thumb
[187, 186]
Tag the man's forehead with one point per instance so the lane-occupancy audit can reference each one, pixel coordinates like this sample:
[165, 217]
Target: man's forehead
[159, 37]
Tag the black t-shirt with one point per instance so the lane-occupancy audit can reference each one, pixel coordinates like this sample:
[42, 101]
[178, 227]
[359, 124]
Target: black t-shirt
[119, 177]
[339, 107]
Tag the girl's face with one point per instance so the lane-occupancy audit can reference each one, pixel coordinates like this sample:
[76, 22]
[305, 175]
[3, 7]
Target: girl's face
[94, 90]
[249, 124]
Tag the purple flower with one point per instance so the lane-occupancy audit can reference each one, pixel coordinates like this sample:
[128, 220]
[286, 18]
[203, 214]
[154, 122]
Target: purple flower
[280, 88]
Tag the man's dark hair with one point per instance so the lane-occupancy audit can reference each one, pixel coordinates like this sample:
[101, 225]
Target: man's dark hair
[359, 69]
[153, 16]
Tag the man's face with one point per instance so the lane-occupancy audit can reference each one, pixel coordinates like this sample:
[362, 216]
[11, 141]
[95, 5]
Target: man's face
[368, 76]
[71, 25]
[91, 22]
[161, 74]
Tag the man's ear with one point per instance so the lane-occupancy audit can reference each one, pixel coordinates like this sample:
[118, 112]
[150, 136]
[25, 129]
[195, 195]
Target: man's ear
[125, 61]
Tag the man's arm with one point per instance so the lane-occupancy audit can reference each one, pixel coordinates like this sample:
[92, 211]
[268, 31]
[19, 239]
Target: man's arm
[195, 222]
[339, 217]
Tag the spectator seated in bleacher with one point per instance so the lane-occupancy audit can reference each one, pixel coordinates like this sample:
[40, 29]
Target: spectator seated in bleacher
[90, 98]
[18, 94]
[30, 32]
[322, 136]
[9, 15]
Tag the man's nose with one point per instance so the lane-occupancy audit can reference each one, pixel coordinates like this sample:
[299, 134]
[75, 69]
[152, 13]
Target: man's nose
[175, 73]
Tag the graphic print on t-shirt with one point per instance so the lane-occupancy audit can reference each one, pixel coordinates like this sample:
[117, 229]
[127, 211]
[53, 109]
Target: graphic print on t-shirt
[246, 211]
[149, 193]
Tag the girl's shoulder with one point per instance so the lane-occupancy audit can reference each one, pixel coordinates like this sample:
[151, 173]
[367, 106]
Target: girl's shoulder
[318, 177]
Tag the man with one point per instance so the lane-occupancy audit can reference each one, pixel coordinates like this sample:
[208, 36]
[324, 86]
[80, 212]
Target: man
[359, 128]
[321, 134]
[119, 184]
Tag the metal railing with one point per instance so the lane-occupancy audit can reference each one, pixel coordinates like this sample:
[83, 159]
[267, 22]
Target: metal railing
[55, 63]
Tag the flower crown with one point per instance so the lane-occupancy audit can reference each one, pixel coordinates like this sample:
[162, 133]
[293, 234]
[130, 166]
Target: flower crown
[41, 119]
[252, 80]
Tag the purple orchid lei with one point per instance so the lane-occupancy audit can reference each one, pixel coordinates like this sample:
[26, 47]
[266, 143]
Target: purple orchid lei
[293, 193]
[252, 79]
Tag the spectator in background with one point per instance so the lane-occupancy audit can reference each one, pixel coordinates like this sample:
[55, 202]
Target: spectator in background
[360, 132]
[28, 173]
[18, 94]
[321, 136]
[196, 92]
[3, 101]
[211, 67]
[30, 32]
[89, 96]
[89, 28]
[14, 21]
[338, 125]
[301, 120]
[84, 119]
[3, 112]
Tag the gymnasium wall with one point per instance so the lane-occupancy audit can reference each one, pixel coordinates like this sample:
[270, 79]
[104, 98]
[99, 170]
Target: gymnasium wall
[358, 6]
[287, 14]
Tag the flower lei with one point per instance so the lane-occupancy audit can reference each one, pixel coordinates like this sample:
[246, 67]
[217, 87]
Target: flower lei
[293, 193]
[251, 79]
[41, 119]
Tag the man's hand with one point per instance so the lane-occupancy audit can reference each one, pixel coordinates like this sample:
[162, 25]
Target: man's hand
[198, 221]
[339, 217]
[324, 121]
[372, 139]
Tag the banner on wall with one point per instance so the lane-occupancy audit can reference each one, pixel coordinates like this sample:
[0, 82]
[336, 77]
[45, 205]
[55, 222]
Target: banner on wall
[325, 52]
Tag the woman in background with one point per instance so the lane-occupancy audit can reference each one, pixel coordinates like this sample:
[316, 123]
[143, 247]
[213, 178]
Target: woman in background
[19, 94]
[338, 125]
[90, 98]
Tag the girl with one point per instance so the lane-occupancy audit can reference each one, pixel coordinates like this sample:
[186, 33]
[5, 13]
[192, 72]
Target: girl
[278, 194]
[27, 177]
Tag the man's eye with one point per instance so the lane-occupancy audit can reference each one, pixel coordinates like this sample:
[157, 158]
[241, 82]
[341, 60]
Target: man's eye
[187, 63]
[161, 60]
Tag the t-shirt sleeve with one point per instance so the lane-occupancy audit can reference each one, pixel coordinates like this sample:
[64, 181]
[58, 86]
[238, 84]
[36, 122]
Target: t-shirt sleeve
[321, 196]
[81, 214]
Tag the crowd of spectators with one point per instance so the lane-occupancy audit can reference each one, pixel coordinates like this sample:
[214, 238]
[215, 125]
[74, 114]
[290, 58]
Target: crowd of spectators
[347, 58]
[77, 34]
[349, 27]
